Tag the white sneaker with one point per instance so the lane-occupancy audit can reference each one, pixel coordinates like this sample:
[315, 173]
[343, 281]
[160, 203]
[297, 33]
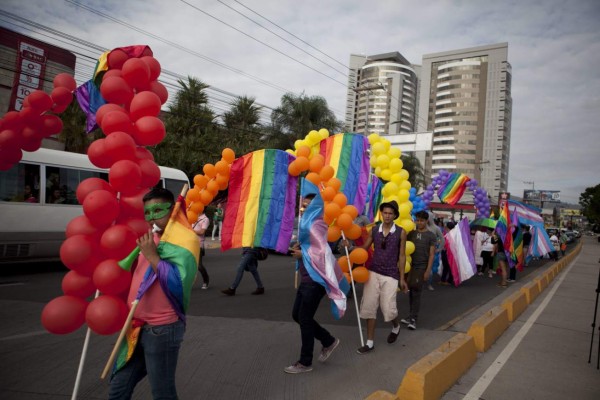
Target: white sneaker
[204, 286]
[429, 287]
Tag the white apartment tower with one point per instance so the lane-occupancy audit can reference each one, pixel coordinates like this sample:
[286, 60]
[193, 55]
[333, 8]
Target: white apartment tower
[466, 100]
[382, 94]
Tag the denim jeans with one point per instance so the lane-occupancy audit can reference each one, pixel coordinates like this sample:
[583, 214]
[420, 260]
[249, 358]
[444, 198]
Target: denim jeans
[156, 356]
[308, 297]
[415, 285]
[249, 263]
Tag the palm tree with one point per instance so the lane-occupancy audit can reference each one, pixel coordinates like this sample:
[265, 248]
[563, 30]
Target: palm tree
[73, 134]
[416, 175]
[242, 123]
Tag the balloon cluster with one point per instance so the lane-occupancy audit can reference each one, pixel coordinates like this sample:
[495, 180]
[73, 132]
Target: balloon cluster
[389, 167]
[480, 198]
[206, 187]
[357, 258]
[113, 211]
[311, 140]
[25, 129]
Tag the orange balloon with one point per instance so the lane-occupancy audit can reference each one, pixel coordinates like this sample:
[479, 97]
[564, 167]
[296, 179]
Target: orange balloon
[347, 275]
[350, 209]
[332, 210]
[341, 200]
[302, 163]
[359, 256]
[354, 232]
[222, 167]
[343, 263]
[200, 181]
[328, 220]
[360, 274]
[328, 193]
[327, 173]
[193, 194]
[333, 233]
[316, 163]
[314, 178]
[213, 187]
[228, 155]
[344, 221]
[293, 169]
[209, 170]
[206, 197]
[197, 207]
[303, 151]
[222, 181]
[192, 216]
[335, 183]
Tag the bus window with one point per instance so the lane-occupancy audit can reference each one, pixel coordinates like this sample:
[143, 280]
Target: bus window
[21, 183]
[61, 183]
[174, 185]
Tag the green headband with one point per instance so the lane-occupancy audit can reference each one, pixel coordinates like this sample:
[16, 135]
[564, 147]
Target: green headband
[157, 211]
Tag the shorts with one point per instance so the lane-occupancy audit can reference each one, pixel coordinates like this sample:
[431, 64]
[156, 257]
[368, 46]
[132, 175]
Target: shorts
[379, 292]
[501, 256]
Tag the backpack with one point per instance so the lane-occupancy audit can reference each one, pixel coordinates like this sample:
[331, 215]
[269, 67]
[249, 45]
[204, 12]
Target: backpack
[261, 253]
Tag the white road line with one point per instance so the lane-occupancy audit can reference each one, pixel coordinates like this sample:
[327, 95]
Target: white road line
[488, 376]
[24, 335]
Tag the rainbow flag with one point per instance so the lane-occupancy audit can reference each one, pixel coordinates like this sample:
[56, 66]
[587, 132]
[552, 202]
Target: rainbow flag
[451, 191]
[517, 236]
[261, 202]
[374, 197]
[347, 154]
[135, 51]
[504, 230]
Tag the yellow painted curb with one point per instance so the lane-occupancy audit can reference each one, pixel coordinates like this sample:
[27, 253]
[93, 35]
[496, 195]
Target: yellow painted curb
[515, 304]
[382, 395]
[542, 282]
[487, 328]
[531, 290]
[432, 375]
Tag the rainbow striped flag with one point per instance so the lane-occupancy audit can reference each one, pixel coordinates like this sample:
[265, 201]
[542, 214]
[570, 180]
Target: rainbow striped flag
[504, 230]
[517, 236]
[374, 197]
[347, 154]
[451, 191]
[261, 202]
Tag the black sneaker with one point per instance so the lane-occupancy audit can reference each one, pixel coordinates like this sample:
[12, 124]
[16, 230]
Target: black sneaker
[405, 321]
[392, 337]
[365, 349]
[228, 291]
[412, 325]
[259, 290]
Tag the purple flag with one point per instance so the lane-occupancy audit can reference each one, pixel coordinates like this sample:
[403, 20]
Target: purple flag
[89, 99]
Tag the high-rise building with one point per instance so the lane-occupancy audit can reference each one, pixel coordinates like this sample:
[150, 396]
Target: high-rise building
[466, 100]
[382, 94]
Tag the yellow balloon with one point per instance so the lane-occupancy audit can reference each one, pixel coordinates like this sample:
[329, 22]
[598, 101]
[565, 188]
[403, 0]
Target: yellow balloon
[395, 164]
[373, 161]
[403, 195]
[409, 259]
[290, 151]
[394, 152]
[404, 209]
[378, 172]
[373, 138]
[383, 161]
[386, 144]
[386, 174]
[405, 185]
[397, 179]
[407, 224]
[410, 247]
[324, 133]
[298, 143]
[378, 148]
[407, 267]
[403, 174]
[389, 189]
[314, 137]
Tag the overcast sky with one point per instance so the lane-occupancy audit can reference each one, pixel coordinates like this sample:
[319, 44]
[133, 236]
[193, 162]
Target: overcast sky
[553, 47]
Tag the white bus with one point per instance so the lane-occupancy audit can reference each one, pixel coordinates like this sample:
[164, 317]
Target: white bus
[37, 201]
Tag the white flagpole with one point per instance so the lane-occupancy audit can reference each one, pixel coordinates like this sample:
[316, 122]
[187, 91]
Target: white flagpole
[362, 340]
[86, 343]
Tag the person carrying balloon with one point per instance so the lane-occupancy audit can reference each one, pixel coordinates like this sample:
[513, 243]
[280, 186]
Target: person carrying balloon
[159, 293]
[386, 270]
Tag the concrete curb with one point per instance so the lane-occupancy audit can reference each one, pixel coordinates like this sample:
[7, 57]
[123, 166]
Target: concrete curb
[431, 376]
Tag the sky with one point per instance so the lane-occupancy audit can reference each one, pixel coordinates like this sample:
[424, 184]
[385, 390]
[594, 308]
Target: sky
[553, 47]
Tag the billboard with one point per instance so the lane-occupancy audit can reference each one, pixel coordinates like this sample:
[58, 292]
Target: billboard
[542, 195]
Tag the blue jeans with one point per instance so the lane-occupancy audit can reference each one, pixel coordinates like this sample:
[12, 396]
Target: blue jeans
[156, 356]
[308, 297]
[248, 263]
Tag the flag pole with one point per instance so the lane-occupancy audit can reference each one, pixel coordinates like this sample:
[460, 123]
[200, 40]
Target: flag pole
[362, 340]
[86, 343]
[135, 303]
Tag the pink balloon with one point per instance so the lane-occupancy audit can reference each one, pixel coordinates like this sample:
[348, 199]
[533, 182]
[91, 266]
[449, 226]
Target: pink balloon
[118, 241]
[89, 185]
[75, 284]
[98, 155]
[135, 72]
[64, 314]
[109, 278]
[106, 314]
[66, 81]
[101, 207]
[149, 131]
[116, 90]
[125, 176]
[119, 145]
[144, 104]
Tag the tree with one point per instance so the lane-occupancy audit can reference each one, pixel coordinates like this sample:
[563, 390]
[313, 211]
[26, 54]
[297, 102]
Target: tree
[73, 134]
[298, 115]
[590, 203]
[416, 176]
[242, 122]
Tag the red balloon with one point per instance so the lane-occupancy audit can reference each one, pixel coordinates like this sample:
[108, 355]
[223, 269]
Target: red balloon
[75, 284]
[142, 153]
[10, 139]
[112, 72]
[118, 241]
[132, 205]
[64, 314]
[101, 207]
[13, 120]
[61, 95]
[81, 225]
[116, 59]
[106, 314]
[40, 100]
[139, 225]
[119, 145]
[105, 109]
[51, 125]
[109, 278]
[125, 176]
[153, 65]
[29, 133]
[116, 121]
[98, 155]
[76, 250]
[144, 104]
[149, 131]
[9, 157]
[150, 173]
[65, 80]
[160, 90]
[32, 145]
[136, 72]
[59, 108]
[115, 90]
[89, 185]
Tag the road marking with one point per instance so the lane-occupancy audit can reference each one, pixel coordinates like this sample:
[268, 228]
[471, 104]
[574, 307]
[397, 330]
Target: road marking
[24, 335]
[11, 284]
[488, 376]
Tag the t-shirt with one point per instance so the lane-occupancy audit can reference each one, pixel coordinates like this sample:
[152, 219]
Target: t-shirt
[218, 215]
[200, 225]
[423, 242]
[486, 242]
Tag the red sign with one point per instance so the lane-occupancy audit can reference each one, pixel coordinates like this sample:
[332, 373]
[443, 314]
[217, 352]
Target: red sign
[29, 75]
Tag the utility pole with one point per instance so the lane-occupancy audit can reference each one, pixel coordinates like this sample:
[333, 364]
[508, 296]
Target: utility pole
[368, 89]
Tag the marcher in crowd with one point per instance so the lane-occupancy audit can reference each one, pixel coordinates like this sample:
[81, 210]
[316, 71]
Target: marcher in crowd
[217, 221]
[526, 244]
[487, 249]
[200, 227]
[249, 263]
[446, 278]
[500, 258]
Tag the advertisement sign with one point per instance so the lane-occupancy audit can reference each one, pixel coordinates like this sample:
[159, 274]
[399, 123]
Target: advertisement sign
[542, 195]
[31, 64]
